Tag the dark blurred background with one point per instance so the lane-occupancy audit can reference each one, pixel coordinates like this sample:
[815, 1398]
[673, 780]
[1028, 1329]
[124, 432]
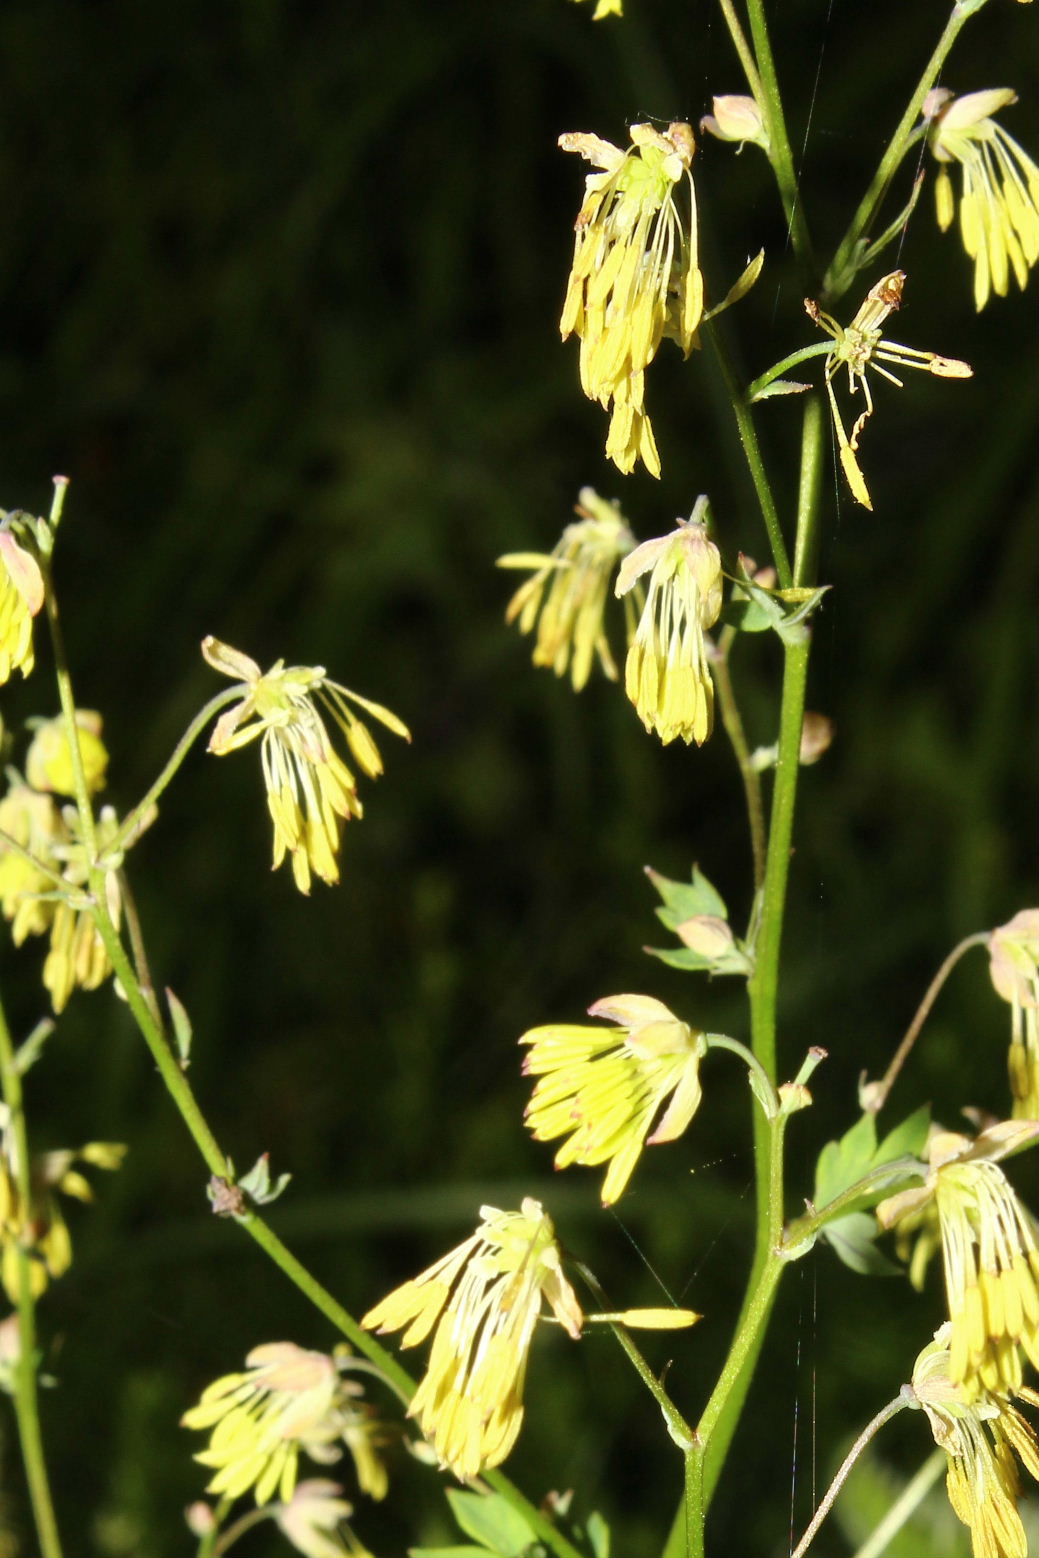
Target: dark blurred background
[280, 286]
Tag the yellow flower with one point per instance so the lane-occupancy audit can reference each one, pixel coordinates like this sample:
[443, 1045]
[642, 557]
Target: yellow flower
[999, 193]
[635, 276]
[980, 1436]
[48, 763]
[1014, 968]
[310, 790]
[859, 346]
[569, 613]
[286, 1400]
[39, 1228]
[667, 676]
[989, 1253]
[34, 821]
[21, 596]
[607, 1086]
[608, 8]
[484, 1298]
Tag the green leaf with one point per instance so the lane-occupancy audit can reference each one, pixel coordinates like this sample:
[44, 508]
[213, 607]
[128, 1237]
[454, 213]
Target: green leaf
[488, 1519]
[852, 1239]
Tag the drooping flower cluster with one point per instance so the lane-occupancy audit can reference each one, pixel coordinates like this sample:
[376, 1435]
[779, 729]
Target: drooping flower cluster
[859, 347]
[36, 1227]
[1014, 967]
[635, 276]
[983, 1436]
[310, 789]
[566, 595]
[608, 1088]
[287, 1401]
[45, 868]
[999, 191]
[483, 1299]
[989, 1253]
[667, 675]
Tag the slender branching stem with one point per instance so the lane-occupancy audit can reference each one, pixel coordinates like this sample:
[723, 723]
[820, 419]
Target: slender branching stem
[871, 1429]
[26, 1404]
[745, 52]
[780, 154]
[803, 353]
[733, 724]
[842, 271]
[748, 435]
[878, 1091]
[180, 751]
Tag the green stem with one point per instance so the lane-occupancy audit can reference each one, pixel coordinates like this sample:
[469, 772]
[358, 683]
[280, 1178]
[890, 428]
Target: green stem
[780, 155]
[843, 269]
[263, 1235]
[748, 435]
[180, 751]
[26, 1404]
[806, 545]
[733, 723]
[777, 369]
[743, 49]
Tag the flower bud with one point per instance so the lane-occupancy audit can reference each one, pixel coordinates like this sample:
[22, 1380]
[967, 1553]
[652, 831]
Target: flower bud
[736, 118]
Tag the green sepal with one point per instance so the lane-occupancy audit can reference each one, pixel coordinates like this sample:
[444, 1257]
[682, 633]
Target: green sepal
[493, 1523]
[259, 1186]
[685, 900]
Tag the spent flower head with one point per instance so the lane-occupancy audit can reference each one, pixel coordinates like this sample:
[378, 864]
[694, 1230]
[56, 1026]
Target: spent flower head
[1014, 969]
[635, 276]
[989, 1253]
[310, 789]
[858, 347]
[613, 1091]
[21, 597]
[566, 594]
[37, 1227]
[999, 186]
[287, 1400]
[484, 1299]
[983, 1437]
[667, 675]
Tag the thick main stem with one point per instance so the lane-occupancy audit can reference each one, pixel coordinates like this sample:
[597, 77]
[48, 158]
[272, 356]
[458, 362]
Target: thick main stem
[26, 1405]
